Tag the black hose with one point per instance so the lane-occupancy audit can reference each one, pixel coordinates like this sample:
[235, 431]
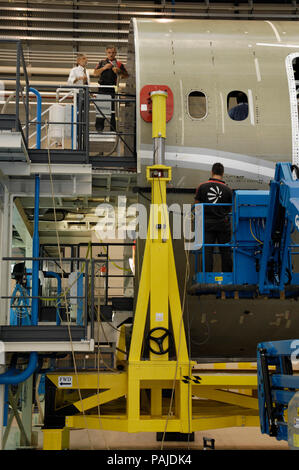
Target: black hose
[215, 288]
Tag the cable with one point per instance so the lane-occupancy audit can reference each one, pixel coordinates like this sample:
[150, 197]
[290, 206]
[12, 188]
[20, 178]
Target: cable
[113, 262]
[64, 272]
[256, 239]
[65, 298]
[99, 355]
[113, 149]
[141, 193]
[9, 98]
[188, 270]
[189, 349]
[98, 359]
[187, 273]
[58, 298]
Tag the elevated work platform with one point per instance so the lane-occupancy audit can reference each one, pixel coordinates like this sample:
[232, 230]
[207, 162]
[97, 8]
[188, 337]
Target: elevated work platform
[12, 144]
[58, 123]
[261, 247]
[45, 338]
[13, 148]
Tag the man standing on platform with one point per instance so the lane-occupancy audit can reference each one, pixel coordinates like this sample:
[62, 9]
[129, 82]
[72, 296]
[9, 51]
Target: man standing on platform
[217, 224]
[108, 71]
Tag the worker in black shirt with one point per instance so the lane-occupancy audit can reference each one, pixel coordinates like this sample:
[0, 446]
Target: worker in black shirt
[108, 70]
[217, 224]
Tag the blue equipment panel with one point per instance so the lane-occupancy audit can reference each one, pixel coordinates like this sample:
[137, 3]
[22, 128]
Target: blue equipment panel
[276, 385]
[248, 216]
[250, 211]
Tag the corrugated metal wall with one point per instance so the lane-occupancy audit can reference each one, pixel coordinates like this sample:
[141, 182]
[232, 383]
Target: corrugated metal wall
[53, 32]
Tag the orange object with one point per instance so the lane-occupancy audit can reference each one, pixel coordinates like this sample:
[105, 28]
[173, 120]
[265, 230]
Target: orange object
[146, 102]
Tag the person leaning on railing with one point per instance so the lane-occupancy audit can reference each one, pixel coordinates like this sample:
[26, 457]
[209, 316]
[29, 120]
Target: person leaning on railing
[107, 72]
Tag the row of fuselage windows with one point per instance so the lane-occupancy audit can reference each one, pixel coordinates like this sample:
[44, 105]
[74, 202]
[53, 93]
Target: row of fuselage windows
[236, 103]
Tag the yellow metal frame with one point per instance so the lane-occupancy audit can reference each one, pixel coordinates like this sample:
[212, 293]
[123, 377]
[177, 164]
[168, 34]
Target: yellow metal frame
[56, 439]
[221, 402]
[132, 400]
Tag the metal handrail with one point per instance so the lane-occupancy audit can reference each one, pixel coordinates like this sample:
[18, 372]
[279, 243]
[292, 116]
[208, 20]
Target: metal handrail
[89, 272]
[104, 259]
[80, 126]
[231, 244]
[88, 307]
[20, 62]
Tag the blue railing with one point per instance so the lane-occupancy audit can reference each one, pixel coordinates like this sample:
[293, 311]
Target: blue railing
[248, 228]
[38, 116]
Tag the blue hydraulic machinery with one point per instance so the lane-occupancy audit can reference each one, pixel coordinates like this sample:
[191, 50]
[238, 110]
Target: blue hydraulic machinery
[262, 249]
[30, 317]
[277, 385]
[20, 308]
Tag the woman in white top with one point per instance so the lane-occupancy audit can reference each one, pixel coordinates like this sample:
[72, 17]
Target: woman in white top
[79, 75]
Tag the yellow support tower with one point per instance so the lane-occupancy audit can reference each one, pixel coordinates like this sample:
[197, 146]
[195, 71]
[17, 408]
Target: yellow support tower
[158, 289]
[132, 399]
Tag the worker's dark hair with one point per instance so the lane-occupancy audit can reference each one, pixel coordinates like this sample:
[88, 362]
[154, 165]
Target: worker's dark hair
[218, 169]
[241, 97]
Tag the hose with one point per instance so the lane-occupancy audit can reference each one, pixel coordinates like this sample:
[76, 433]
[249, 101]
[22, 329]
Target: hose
[10, 377]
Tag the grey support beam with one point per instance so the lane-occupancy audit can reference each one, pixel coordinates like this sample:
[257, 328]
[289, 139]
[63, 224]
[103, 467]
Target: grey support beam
[5, 250]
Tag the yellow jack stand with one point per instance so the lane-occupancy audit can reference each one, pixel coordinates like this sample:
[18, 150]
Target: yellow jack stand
[132, 400]
[159, 287]
[56, 439]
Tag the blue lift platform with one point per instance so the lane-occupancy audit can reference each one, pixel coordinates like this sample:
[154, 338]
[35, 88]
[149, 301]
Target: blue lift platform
[262, 250]
[264, 264]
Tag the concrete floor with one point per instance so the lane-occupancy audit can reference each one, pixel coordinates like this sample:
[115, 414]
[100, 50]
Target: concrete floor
[244, 438]
[249, 438]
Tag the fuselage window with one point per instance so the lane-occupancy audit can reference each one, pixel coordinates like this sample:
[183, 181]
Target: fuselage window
[197, 104]
[237, 105]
